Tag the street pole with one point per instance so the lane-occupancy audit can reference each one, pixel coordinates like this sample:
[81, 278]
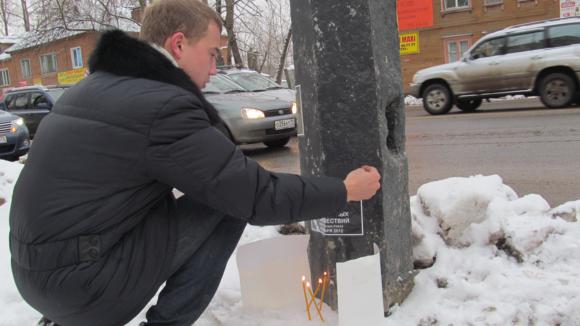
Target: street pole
[346, 56]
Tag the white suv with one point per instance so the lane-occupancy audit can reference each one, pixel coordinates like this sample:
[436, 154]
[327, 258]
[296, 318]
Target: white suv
[539, 58]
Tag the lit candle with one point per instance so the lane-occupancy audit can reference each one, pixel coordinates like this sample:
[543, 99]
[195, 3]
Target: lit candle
[305, 297]
[308, 302]
[313, 297]
[324, 282]
[318, 287]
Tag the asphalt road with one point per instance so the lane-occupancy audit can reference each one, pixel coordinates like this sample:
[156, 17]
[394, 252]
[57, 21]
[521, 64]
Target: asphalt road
[534, 149]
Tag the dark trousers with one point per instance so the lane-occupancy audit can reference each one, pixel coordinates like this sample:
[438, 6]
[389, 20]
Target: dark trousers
[206, 242]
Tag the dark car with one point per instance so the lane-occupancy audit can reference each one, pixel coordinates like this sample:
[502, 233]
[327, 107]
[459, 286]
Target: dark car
[14, 138]
[251, 117]
[253, 81]
[31, 103]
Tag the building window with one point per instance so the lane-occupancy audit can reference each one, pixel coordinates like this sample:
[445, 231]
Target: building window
[493, 2]
[48, 63]
[4, 77]
[76, 57]
[455, 48]
[455, 4]
[26, 71]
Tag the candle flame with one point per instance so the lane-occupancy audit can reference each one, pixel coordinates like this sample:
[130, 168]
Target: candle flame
[307, 284]
[303, 278]
[319, 280]
[325, 274]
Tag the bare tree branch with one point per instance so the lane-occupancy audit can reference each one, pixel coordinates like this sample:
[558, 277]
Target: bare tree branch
[85, 15]
[25, 16]
[4, 12]
[232, 41]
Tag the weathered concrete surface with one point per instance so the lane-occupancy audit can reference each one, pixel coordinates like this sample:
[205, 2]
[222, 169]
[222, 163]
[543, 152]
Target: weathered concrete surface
[346, 56]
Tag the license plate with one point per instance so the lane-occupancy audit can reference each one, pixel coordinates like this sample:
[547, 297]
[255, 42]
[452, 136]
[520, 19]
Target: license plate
[3, 139]
[284, 124]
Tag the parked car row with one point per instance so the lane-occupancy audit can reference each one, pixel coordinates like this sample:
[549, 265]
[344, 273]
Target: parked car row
[534, 59]
[254, 108]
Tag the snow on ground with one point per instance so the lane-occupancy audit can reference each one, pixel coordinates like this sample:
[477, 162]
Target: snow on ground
[489, 257]
[501, 260]
[413, 101]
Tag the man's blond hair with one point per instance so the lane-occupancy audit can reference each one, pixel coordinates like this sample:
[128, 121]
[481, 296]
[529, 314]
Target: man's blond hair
[163, 18]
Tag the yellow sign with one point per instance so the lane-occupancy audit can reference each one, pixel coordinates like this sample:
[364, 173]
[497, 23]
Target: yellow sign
[71, 76]
[409, 43]
[37, 81]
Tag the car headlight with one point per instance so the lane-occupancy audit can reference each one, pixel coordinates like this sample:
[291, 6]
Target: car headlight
[294, 108]
[249, 113]
[15, 124]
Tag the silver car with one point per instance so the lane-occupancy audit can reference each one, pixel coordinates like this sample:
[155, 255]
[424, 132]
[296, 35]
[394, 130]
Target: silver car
[534, 59]
[251, 117]
[255, 82]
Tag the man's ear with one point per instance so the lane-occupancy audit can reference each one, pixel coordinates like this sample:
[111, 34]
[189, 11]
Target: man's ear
[174, 44]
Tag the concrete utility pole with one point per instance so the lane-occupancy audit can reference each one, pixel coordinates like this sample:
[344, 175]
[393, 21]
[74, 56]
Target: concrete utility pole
[346, 56]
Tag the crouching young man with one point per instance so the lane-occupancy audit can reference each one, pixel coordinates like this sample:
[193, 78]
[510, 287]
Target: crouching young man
[95, 235]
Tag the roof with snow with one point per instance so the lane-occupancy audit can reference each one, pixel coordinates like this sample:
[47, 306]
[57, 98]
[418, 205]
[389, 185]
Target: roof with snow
[39, 37]
[10, 39]
[35, 38]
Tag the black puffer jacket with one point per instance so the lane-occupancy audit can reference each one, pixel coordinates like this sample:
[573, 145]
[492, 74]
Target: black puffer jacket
[91, 229]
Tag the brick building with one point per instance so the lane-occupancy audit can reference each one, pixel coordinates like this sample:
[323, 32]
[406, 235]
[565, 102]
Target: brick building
[61, 61]
[438, 31]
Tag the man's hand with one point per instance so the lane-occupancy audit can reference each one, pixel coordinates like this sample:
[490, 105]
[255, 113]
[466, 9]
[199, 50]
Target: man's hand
[362, 183]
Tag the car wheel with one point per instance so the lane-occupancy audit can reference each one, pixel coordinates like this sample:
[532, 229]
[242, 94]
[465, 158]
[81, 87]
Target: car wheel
[557, 90]
[277, 143]
[437, 99]
[468, 105]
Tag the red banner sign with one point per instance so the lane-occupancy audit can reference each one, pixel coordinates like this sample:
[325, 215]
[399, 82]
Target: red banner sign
[414, 14]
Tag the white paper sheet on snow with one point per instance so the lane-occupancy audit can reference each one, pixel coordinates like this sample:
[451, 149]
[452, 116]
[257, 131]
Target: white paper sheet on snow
[271, 272]
[360, 291]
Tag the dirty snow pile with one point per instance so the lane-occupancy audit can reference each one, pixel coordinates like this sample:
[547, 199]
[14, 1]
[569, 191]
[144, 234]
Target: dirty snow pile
[486, 257]
[498, 259]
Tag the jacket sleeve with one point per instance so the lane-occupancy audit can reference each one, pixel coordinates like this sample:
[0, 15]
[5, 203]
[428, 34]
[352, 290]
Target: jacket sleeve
[186, 152]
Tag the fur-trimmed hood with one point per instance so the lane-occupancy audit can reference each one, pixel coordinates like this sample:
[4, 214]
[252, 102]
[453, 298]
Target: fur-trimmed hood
[120, 54]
